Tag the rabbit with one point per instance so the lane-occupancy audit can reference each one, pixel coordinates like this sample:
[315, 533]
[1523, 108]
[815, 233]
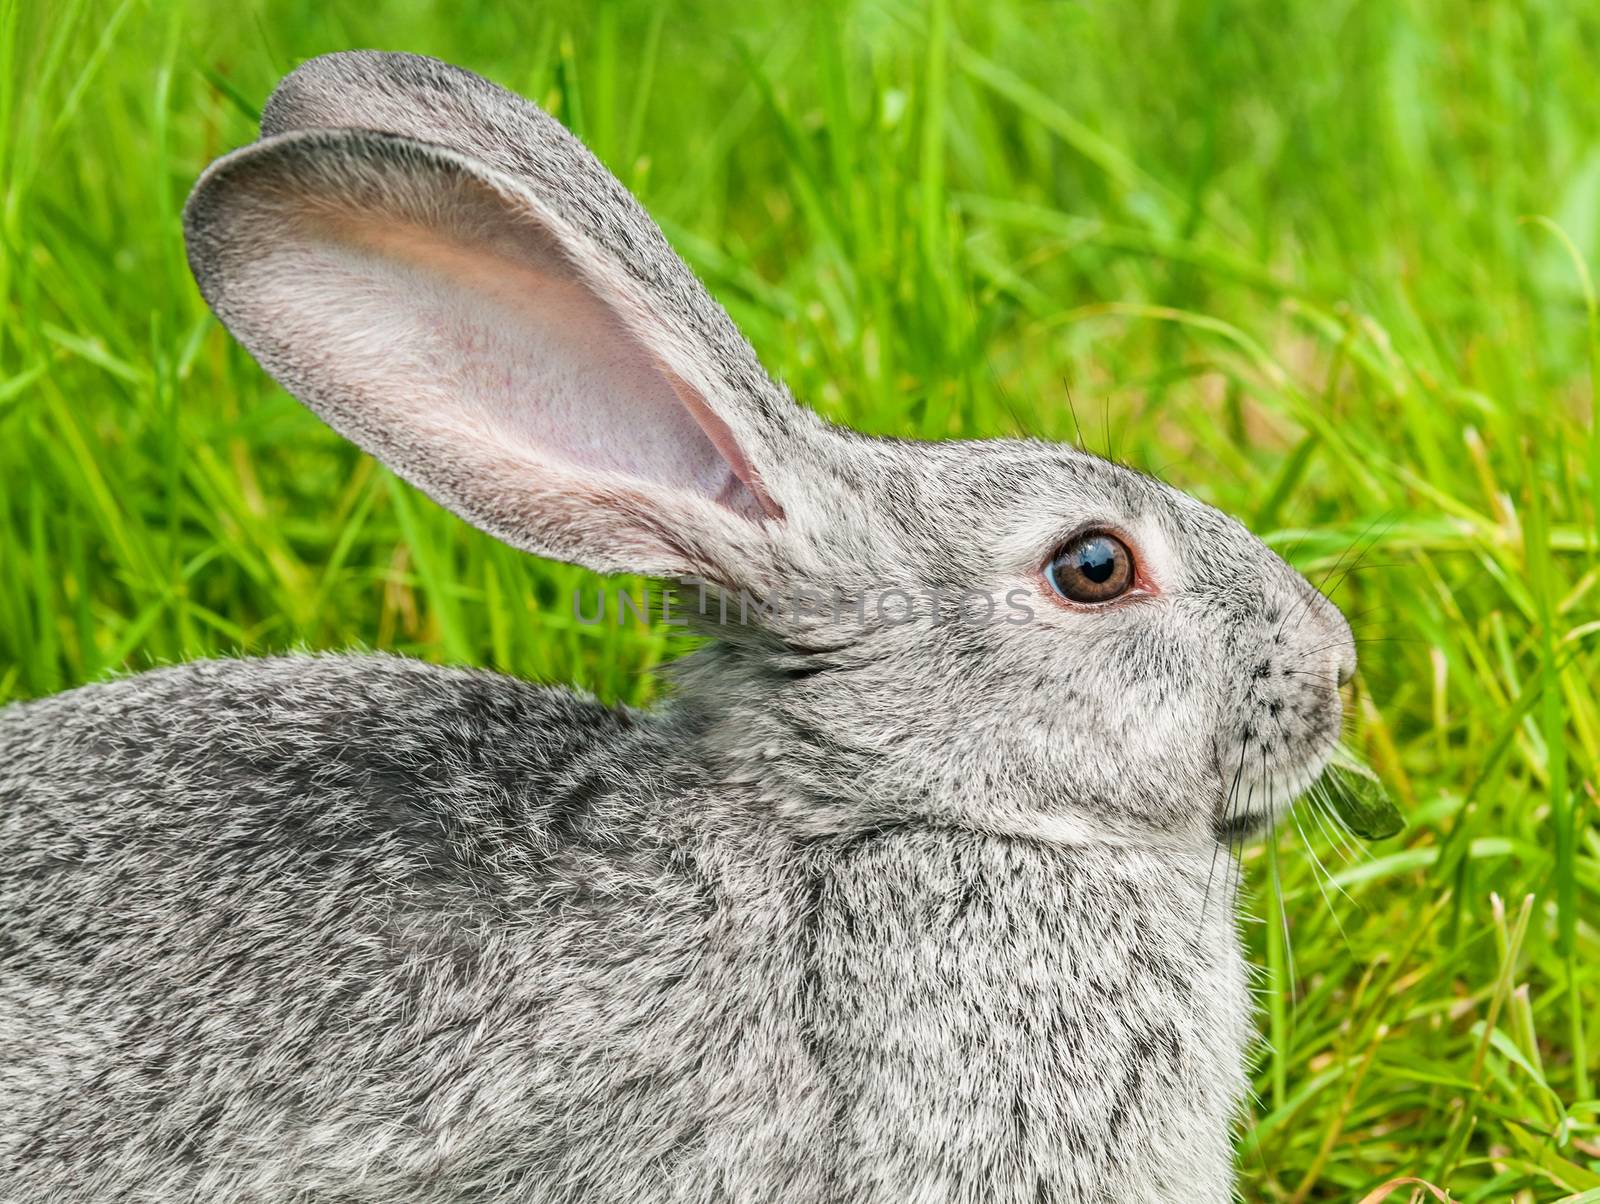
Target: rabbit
[899, 898]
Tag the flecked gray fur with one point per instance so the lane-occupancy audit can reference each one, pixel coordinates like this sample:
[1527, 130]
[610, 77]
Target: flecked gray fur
[903, 912]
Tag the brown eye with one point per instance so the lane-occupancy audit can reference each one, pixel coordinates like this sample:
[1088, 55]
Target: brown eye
[1094, 567]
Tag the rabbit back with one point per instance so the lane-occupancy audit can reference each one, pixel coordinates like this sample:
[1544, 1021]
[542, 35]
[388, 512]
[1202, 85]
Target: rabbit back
[365, 924]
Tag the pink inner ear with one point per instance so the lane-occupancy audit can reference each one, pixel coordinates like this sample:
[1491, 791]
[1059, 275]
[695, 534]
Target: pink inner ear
[487, 328]
[744, 492]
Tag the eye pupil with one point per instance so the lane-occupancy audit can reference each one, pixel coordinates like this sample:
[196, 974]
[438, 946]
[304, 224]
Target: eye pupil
[1094, 567]
[1097, 561]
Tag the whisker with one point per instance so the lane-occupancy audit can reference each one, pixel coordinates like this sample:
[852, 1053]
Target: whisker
[1238, 875]
[1348, 842]
[1321, 677]
[1318, 872]
[1283, 912]
[1333, 826]
[1233, 792]
[1329, 592]
[1304, 606]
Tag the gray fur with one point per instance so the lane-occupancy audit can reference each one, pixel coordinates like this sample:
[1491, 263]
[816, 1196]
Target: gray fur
[872, 911]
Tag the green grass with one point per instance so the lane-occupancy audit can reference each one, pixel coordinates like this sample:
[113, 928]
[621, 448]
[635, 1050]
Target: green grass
[1320, 262]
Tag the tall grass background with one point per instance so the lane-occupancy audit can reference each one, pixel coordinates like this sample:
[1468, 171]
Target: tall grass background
[1323, 263]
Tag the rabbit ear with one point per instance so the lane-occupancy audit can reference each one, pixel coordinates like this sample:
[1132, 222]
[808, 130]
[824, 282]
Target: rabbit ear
[524, 347]
[430, 101]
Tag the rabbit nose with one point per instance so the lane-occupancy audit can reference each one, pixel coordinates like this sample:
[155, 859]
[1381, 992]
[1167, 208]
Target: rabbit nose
[1347, 664]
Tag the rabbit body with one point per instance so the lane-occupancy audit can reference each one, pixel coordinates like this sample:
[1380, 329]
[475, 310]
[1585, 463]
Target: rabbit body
[348, 929]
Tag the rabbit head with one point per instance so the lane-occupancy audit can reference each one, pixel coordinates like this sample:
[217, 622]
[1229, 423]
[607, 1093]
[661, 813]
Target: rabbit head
[1008, 635]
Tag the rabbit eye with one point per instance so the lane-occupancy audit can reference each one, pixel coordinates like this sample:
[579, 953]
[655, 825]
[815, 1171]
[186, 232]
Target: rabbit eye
[1094, 567]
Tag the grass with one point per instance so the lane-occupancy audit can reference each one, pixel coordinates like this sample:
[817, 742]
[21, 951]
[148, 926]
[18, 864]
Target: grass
[1324, 263]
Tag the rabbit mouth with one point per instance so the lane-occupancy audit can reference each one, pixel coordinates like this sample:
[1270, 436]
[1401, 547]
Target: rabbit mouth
[1255, 795]
[1236, 829]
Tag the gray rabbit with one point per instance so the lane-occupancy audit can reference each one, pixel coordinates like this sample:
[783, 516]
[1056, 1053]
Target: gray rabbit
[909, 895]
